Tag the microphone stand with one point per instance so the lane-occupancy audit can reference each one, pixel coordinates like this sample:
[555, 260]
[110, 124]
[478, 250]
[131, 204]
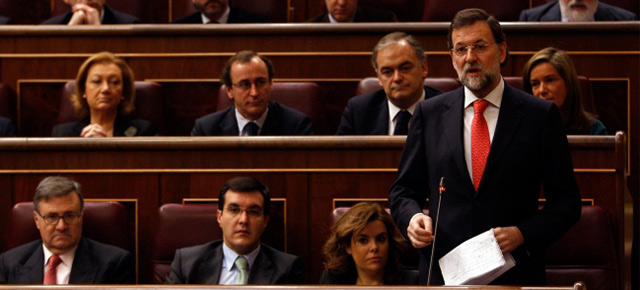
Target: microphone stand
[441, 189]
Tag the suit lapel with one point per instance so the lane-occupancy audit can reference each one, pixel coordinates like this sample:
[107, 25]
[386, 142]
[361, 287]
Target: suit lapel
[271, 124]
[83, 270]
[33, 270]
[506, 127]
[452, 118]
[211, 267]
[262, 270]
[378, 116]
[553, 14]
[229, 125]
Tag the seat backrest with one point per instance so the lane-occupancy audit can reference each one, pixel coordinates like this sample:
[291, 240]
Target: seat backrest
[149, 104]
[371, 84]
[587, 252]
[274, 11]
[103, 221]
[405, 10]
[184, 225]
[444, 10]
[305, 97]
[585, 89]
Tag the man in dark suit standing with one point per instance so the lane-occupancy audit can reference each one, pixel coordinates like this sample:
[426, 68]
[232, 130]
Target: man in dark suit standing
[577, 10]
[497, 148]
[248, 78]
[91, 12]
[401, 66]
[340, 11]
[62, 256]
[218, 11]
[239, 258]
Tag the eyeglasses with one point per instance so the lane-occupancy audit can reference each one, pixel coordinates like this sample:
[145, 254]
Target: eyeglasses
[245, 85]
[252, 212]
[69, 218]
[478, 48]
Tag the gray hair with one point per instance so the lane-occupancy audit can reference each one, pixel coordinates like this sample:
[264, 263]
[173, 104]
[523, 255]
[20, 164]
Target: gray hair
[396, 37]
[55, 186]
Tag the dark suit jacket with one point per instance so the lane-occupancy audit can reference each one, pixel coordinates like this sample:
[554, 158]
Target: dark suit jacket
[281, 120]
[551, 12]
[236, 15]
[363, 14]
[110, 17]
[6, 128]
[124, 126]
[369, 114]
[202, 264]
[529, 153]
[94, 263]
[5, 20]
[407, 277]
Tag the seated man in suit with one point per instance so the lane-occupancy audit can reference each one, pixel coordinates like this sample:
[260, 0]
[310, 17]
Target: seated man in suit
[239, 258]
[401, 66]
[91, 12]
[248, 78]
[339, 11]
[63, 256]
[218, 11]
[576, 10]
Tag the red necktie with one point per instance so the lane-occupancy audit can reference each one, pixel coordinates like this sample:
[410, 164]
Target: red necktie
[52, 270]
[480, 141]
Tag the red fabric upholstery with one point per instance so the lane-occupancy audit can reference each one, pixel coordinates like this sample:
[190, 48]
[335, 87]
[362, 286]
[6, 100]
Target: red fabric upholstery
[585, 89]
[184, 225]
[371, 84]
[305, 97]
[587, 252]
[149, 104]
[105, 222]
[444, 10]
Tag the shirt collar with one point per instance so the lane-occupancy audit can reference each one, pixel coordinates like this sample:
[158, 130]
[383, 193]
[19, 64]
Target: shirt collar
[223, 19]
[242, 121]
[333, 20]
[494, 97]
[394, 110]
[67, 258]
[230, 256]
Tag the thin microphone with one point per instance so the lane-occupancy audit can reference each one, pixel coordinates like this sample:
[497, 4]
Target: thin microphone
[441, 188]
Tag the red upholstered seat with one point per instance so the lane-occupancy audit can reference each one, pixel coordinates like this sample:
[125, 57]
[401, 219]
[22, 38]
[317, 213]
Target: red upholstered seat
[305, 97]
[371, 84]
[105, 222]
[184, 225]
[149, 104]
[444, 10]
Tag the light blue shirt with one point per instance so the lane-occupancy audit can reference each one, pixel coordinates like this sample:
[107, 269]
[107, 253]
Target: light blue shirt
[229, 270]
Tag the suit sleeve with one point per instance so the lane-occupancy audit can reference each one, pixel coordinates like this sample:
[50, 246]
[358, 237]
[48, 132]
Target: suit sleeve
[304, 127]
[124, 270]
[409, 192]
[562, 207]
[296, 272]
[176, 276]
[197, 129]
[346, 122]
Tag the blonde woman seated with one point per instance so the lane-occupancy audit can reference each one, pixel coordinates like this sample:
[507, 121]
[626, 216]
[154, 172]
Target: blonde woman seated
[103, 99]
[365, 248]
[549, 74]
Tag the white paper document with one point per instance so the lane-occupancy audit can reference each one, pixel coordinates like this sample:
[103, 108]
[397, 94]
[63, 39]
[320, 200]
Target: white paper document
[477, 261]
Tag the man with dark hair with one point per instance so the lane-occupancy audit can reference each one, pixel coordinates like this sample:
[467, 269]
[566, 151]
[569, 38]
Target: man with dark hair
[577, 11]
[218, 11]
[401, 66]
[342, 11]
[91, 12]
[248, 78]
[496, 147]
[67, 257]
[239, 258]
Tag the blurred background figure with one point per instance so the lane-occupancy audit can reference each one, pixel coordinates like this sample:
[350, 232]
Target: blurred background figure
[103, 98]
[364, 248]
[549, 74]
[575, 11]
[91, 12]
[348, 11]
[218, 12]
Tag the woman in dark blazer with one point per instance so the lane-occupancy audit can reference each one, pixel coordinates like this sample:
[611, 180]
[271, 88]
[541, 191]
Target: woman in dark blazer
[103, 99]
[365, 249]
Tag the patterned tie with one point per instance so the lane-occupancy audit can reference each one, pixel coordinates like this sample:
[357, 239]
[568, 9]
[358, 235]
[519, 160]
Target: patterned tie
[480, 141]
[243, 276]
[52, 270]
[251, 129]
[402, 123]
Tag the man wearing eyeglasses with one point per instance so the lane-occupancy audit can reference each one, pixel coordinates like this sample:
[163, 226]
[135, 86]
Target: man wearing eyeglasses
[248, 78]
[63, 256]
[240, 258]
[497, 148]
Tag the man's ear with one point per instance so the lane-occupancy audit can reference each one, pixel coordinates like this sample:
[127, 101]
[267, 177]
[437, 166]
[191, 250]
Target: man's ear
[35, 219]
